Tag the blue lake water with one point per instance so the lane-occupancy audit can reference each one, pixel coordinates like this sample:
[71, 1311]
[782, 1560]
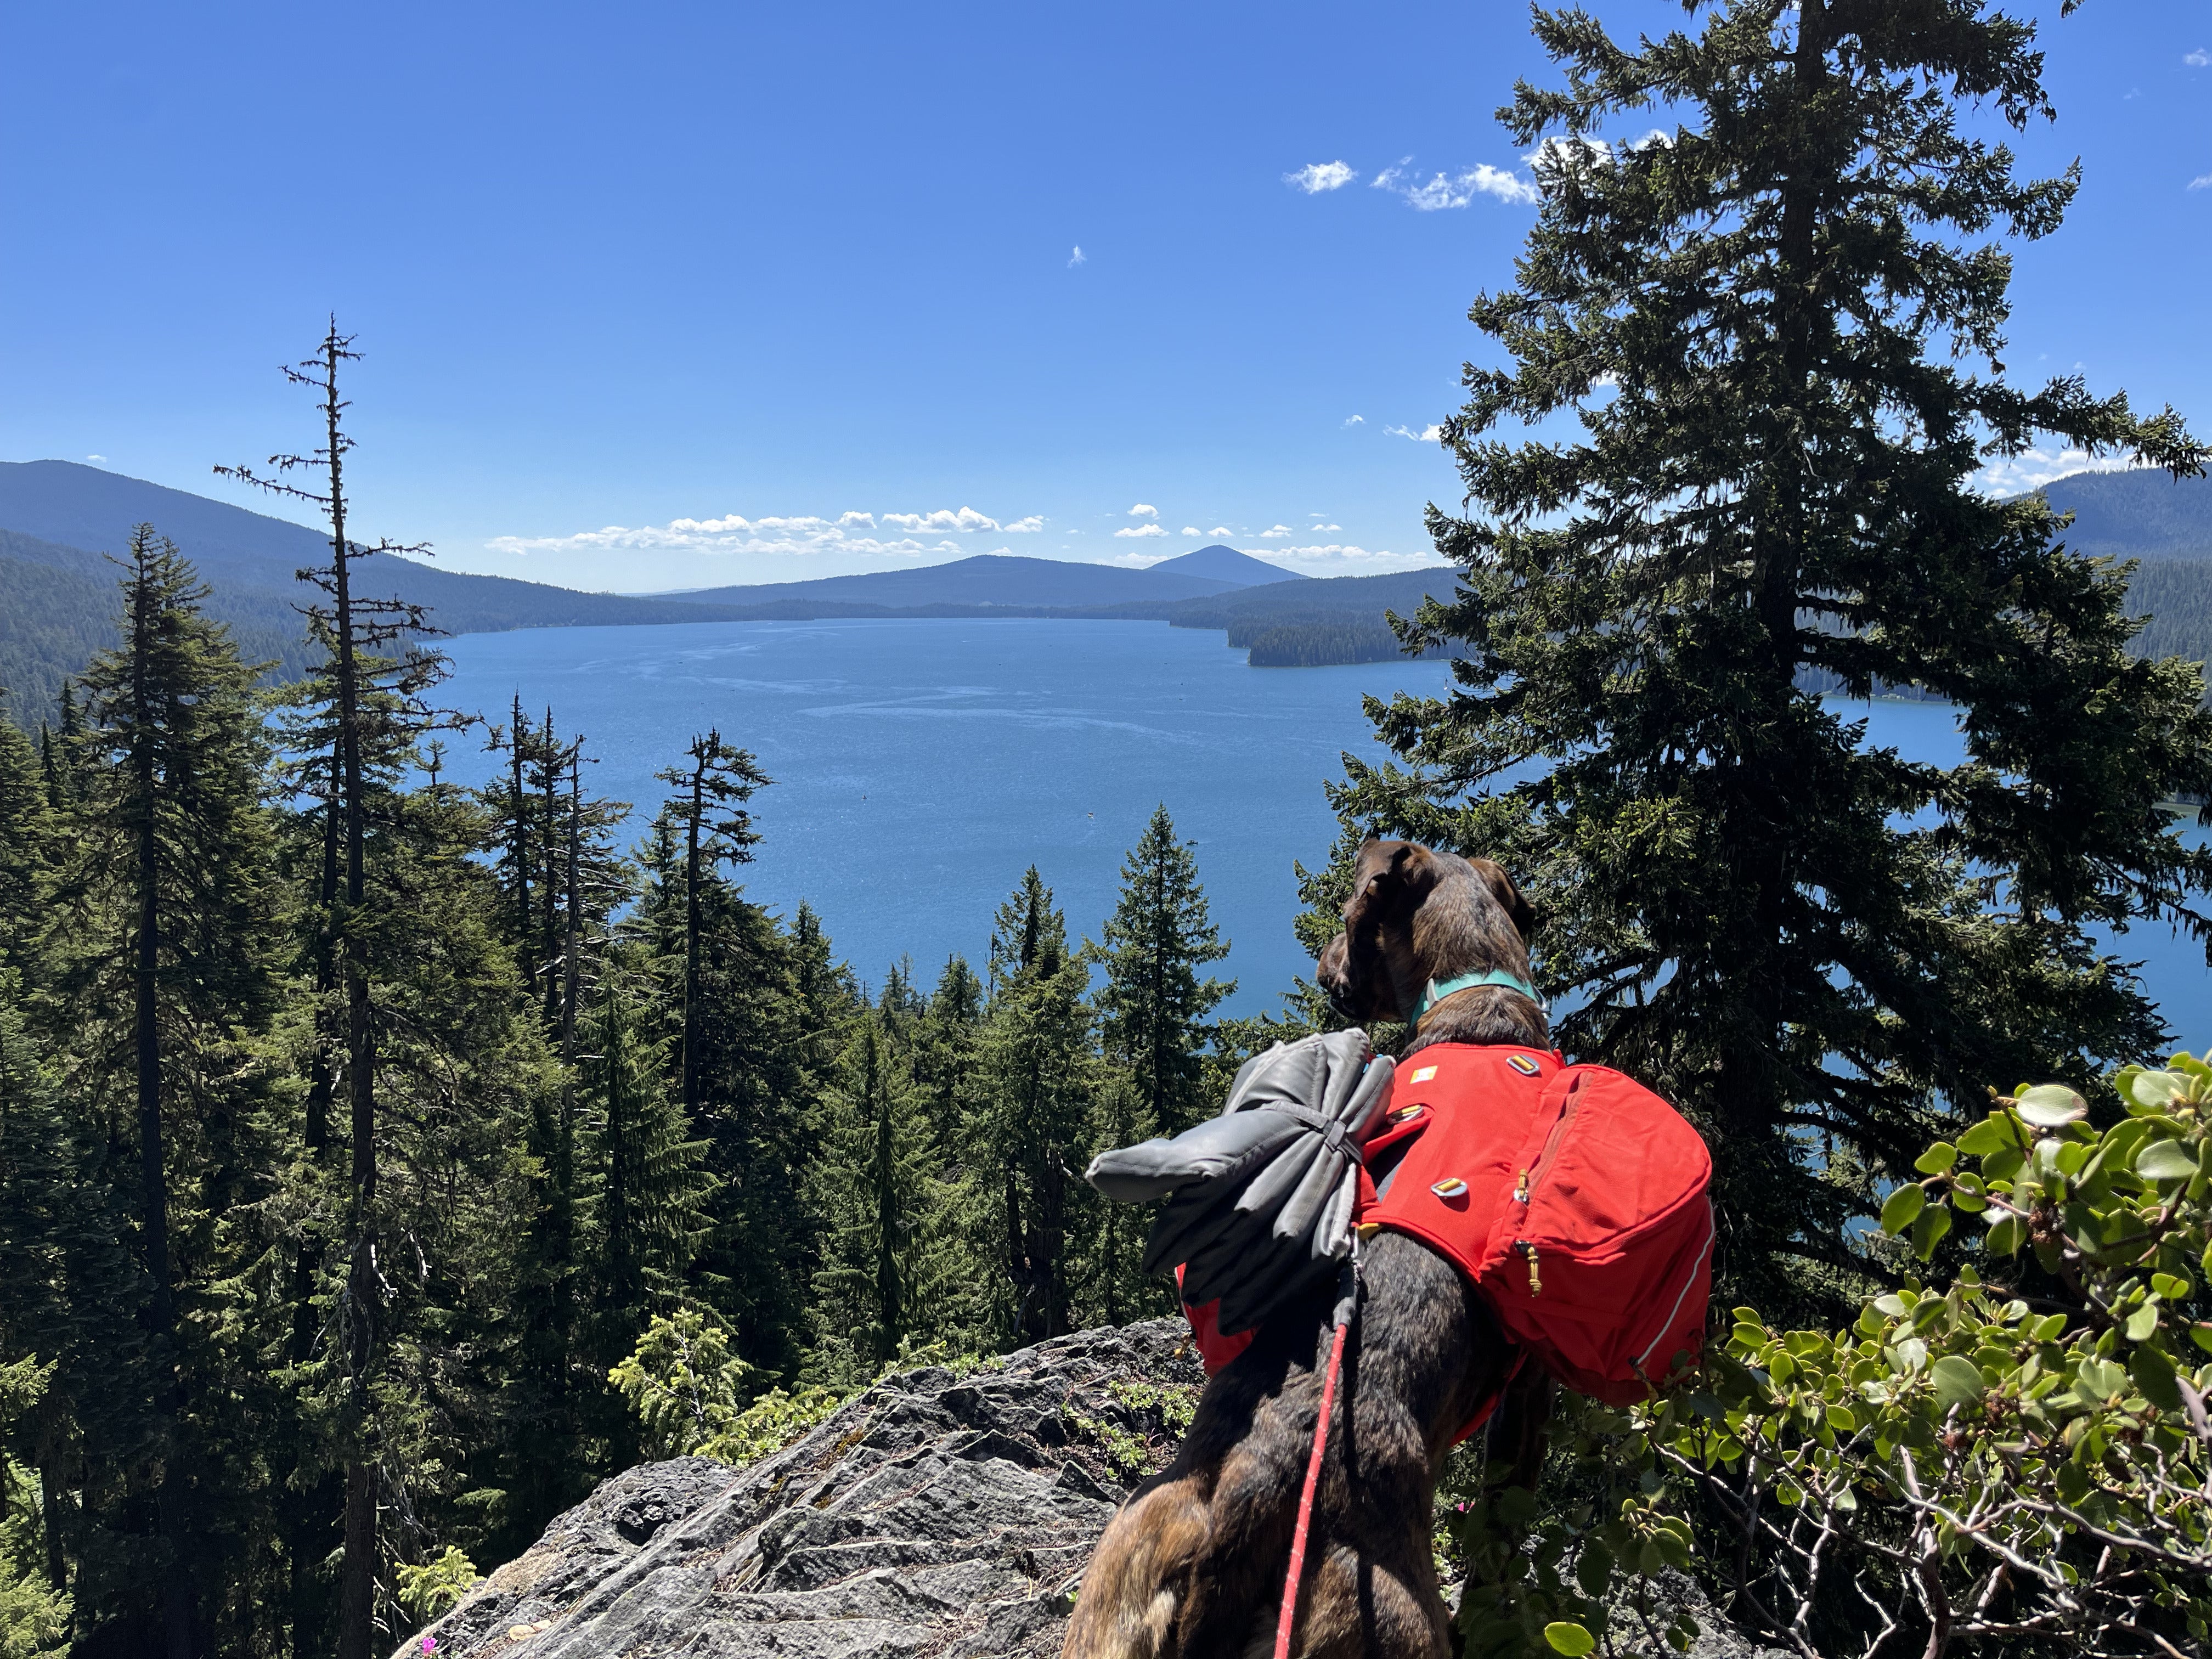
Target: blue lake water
[921, 765]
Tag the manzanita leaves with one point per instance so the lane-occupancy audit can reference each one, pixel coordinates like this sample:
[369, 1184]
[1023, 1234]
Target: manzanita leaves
[2052, 1106]
[1902, 1208]
[2165, 1160]
[1958, 1381]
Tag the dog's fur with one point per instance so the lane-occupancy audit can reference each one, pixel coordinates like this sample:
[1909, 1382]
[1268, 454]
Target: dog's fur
[1192, 1564]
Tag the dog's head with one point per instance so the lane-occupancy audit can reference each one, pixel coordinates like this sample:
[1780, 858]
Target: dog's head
[1417, 914]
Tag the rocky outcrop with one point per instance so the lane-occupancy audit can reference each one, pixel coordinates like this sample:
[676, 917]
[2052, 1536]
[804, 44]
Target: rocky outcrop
[934, 1515]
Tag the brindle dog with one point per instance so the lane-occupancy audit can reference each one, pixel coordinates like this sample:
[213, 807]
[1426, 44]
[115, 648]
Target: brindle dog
[1192, 1564]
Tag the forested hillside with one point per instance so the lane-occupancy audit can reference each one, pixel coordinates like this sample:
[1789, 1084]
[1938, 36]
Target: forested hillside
[355, 1127]
[2140, 513]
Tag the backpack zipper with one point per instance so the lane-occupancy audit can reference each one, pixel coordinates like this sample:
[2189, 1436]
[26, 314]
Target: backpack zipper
[1531, 1177]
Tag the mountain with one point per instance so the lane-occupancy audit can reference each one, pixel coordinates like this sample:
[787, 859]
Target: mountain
[87, 509]
[2136, 514]
[988, 579]
[1222, 563]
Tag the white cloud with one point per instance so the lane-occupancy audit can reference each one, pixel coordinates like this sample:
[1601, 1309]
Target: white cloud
[1318, 176]
[1140, 530]
[2034, 468]
[1427, 435]
[1277, 533]
[1321, 529]
[1445, 189]
[95, 457]
[1028, 527]
[967, 519]
[1077, 258]
[1192, 530]
[1144, 510]
[1357, 420]
[1221, 530]
[799, 534]
[2202, 181]
[2197, 59]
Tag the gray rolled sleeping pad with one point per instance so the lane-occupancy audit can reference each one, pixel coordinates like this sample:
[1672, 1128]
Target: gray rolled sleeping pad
[1260, 1199]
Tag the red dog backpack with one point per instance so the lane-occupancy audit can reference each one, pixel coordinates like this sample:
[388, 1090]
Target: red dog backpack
[1571, 1196]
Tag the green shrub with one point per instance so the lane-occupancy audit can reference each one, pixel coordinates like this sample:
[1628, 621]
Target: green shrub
[435, 1589]
[2017, 1462]
[684, 1382]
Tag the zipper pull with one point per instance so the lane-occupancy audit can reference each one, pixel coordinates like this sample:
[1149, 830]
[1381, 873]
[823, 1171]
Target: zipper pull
[1536, 1279]
[1521, 1189]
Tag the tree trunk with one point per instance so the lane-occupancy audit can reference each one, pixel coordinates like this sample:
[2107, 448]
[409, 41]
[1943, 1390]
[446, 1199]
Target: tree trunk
[357, 1591]
[692, 940]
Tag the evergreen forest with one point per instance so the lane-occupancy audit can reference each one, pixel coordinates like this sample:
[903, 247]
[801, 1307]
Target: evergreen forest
[356, 1128]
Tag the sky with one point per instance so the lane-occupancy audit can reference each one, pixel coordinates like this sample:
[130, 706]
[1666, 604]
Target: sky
[676, 295]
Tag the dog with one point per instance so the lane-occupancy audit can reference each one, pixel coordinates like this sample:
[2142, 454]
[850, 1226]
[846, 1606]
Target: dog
[1192, 1564]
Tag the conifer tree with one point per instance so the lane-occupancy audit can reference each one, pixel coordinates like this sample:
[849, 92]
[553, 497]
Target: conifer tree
[369, 714]
[1778, 326]
[874, 1188]
[164, 932]
[945, 1043]
[25, 828]
[1153, 1007]
[651, 1189]
[70, 1299]
[708, 814]
[516, 806]
[1026, 1139]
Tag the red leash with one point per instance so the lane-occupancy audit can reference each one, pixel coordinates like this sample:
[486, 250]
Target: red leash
[1344, 1311]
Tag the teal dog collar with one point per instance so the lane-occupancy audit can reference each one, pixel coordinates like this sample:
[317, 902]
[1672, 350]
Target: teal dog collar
[1505, 976]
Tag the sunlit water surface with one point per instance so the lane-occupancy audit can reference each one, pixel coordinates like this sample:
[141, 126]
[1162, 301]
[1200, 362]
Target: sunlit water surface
[920, 765]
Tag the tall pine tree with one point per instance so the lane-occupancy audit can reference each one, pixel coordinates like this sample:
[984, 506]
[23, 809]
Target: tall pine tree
[708, 818]
[1778, 327]
[1028, 1133]
[164, 926]
[1154, 1004]
[876, 1190]
[367, 714]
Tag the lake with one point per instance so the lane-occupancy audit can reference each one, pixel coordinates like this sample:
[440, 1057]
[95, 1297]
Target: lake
[920, 765]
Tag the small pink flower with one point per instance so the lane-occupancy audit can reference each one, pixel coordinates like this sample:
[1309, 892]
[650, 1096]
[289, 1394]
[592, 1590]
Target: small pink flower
[430, 1644]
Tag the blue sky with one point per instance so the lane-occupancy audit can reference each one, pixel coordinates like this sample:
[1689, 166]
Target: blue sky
[719, 276]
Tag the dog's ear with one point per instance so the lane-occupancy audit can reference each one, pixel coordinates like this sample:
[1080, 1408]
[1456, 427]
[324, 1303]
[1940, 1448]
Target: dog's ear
[1521, 912]
[1389, 879]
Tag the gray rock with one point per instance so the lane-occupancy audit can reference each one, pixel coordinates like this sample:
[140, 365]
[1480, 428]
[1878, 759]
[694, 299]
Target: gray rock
[934, 1515]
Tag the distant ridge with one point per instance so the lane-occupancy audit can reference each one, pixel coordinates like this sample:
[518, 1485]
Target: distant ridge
[60, 521]
[84, 508]
[988, 579]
